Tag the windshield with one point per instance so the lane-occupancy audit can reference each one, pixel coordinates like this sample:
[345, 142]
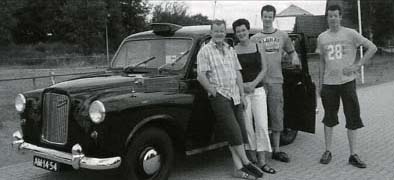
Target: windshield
[163, 51]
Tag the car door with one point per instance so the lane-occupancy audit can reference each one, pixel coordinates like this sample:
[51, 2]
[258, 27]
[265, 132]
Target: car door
[299, 91]
[200, 128]
[202, 132]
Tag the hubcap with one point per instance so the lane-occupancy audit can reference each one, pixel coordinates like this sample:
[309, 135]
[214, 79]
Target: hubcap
[150, 159]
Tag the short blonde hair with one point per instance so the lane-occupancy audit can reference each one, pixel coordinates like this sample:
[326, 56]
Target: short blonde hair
[218, 23]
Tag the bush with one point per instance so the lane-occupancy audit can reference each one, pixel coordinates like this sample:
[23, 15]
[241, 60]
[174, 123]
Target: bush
[48, 55]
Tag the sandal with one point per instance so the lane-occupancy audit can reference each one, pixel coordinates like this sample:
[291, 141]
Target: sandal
[252, 169]
[243, 175]
[268, 169]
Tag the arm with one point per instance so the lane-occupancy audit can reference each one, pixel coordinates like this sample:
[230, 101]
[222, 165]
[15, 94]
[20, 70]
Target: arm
[240, 83]
[290, 50]
[322, 66]
[203, 68]
[262, 73]
[371, 50]
[202, 78]
[241, 90]
[294, 59]
[239, 80]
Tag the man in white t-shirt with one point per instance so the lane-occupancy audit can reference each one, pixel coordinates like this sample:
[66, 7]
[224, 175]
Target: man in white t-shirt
[337, 47]
[275, 43]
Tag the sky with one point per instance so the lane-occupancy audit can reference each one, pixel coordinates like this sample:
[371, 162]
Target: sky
[230, 10]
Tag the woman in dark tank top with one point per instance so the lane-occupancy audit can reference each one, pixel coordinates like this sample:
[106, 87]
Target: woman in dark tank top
[254, 66]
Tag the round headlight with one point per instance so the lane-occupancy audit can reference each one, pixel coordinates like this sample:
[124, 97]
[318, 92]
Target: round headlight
[20, 103]
[97, 112]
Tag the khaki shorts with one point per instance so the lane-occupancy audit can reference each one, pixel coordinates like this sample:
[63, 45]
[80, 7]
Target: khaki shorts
[275, 106]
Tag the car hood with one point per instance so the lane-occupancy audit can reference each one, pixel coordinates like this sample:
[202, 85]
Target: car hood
[133, 82]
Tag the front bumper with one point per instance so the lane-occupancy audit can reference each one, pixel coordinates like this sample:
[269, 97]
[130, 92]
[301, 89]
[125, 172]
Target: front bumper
[76, 158]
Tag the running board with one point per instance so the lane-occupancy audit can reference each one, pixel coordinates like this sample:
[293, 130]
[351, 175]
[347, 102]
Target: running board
[206, 148]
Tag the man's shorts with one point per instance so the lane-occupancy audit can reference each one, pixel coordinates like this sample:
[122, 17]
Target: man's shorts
[275, 105]
[229, 120]
[331, 95]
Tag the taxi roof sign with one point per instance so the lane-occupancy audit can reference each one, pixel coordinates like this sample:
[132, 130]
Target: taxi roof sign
[165, 29]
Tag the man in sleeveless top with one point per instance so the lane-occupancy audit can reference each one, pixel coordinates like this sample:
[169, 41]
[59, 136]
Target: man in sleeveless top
[337, 47]
[275, 42]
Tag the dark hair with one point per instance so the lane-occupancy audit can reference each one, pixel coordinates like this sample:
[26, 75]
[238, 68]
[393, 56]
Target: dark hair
[218, 22]
[240, 22]
[335, 7]
[268, 8]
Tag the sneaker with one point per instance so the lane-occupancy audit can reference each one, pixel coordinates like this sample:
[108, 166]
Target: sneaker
[326, 157]
[356, 161]
[253, 170]
[280, 156]
[243, 175]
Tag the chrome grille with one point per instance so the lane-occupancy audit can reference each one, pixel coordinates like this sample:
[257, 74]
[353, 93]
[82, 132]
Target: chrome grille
[55, 118]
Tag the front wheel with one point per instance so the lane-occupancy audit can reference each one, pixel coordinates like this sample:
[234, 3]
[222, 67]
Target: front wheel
[150, 155]
[287, 136]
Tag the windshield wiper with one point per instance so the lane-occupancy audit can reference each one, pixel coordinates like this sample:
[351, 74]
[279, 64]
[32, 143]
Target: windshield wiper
[130, 67]
[175, 61]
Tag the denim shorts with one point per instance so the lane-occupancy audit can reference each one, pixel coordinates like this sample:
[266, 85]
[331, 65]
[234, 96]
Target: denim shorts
[331, 95]
[229, 120]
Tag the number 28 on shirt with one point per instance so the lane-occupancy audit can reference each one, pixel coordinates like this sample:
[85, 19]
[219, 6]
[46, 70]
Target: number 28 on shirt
[334, 52]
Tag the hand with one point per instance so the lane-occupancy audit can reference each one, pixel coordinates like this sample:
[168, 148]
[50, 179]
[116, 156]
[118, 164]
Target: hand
[249, 87]
[296, 61]
[354, 68]
[319, 89]
[244, 103]
[212, 91]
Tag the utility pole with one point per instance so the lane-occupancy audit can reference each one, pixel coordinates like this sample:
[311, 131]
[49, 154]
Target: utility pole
[106, 37]
[361, 32]
[214, 10]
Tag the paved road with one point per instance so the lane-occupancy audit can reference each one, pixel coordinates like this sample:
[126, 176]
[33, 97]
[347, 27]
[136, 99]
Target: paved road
[376, 145]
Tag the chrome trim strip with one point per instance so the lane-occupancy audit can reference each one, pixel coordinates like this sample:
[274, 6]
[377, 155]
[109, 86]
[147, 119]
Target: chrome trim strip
[76, 159]
[206, 148]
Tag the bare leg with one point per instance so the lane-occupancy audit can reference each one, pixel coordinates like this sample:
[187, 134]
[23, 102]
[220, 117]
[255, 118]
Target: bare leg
[261, 158]
[275, 140]
[240, 152]
[252, 156]
[352, 135]
[328, 131]
[237, 161]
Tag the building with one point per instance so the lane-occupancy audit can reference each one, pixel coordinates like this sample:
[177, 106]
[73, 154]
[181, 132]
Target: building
[312, 26]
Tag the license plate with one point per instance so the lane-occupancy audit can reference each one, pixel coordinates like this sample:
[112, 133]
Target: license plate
[45, 163]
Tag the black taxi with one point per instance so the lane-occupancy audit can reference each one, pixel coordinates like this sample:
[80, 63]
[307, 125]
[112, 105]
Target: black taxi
[145, 107]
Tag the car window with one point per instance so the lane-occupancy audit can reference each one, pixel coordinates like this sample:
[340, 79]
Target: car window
[162, 50]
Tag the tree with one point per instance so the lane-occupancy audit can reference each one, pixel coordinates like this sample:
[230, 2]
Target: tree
[84, 24]
[377, 19]
[79, 22]
[8, 22]
[133, 15]
[176, 13]
[35, 20]
[383, 23]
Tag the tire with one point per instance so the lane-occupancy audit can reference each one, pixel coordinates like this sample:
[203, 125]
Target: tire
[155, 146]
[287, 136]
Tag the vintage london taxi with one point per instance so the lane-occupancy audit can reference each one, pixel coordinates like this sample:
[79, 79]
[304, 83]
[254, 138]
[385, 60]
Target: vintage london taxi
[145, 107]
